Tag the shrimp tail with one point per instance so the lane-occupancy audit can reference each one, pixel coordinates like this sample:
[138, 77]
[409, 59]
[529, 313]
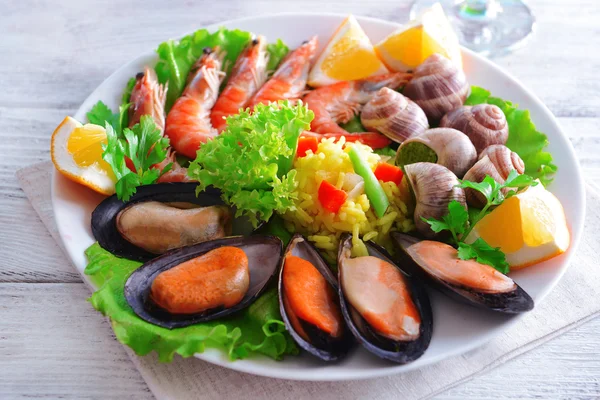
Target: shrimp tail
[177, 173]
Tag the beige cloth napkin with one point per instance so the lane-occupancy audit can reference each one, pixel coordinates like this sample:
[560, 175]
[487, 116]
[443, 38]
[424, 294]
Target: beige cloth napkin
[571, 303]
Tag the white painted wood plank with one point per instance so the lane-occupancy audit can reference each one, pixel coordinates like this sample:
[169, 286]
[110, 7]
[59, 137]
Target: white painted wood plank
[53, 344]
[69, 54]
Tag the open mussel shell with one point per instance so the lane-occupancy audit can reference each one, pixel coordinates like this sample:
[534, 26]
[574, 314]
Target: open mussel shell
[105, 216]
[320, 343]
[401, 352]
[512, 300]
[263, 252]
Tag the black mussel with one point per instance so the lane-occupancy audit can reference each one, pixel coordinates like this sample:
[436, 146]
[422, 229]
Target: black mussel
[309, 303]
[386, 310]
[465, 280]
[203, 282]
[162, 217]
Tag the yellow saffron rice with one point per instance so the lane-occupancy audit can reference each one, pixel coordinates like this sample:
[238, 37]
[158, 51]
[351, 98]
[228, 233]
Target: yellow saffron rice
[331, 163]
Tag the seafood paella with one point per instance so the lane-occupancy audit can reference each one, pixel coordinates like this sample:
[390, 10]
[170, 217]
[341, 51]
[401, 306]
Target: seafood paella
[271, 200]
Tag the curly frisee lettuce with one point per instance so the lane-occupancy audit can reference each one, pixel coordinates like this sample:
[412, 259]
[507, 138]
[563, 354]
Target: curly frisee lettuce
[250, 161]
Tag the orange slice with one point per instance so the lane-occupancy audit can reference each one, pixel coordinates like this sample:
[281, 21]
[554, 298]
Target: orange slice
[411, 44]
[348, 56]
[76, 151]
[529, 228]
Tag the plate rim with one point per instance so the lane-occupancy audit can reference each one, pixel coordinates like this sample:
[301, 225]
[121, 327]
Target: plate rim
[246, 365]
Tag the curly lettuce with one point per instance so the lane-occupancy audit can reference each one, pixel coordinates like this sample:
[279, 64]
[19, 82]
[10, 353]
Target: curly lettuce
[250, 161]
[175, 58]
[523, 137]
[255, 330]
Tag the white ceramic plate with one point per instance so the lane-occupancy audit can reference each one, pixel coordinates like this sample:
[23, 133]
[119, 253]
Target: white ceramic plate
[457, 328]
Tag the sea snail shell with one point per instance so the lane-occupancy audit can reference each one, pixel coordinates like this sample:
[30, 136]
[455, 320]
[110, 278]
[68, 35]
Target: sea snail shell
[438, 86]
[452, 148]
[434, 186]
[496, 161]
[393, 115]
[484, 124]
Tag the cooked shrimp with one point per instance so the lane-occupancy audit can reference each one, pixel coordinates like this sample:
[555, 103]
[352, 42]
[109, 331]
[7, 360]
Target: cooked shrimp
[148, 98]
[289, 81]
[188, 123]
[248, 75]
[176, 174]
[339, 102]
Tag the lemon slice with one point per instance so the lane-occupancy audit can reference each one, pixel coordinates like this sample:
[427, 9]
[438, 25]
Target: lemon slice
[76, 152]
[348, 56]
[529, 227]
[429, 33]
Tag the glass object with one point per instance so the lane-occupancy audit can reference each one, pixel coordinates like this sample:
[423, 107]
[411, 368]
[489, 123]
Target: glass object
[489, 27]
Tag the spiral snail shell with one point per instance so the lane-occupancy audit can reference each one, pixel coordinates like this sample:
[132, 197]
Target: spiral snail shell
[444, 146]
[496, 161]
[393, 115]
[434, 186]
[484, 124]
[438, 86]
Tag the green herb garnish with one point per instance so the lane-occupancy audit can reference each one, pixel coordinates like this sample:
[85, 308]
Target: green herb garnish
[460, 224]
[101, 114]
[144, 146]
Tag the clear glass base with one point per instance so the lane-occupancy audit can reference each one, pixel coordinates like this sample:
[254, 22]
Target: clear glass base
[489, 27]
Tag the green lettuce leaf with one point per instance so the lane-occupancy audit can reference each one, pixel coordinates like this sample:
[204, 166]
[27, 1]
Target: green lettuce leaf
[523, 137]
[388, 152]
[277, 51]
[251, 159]
[175, 58]
[255, 330]
[125, 98]
[354, 125]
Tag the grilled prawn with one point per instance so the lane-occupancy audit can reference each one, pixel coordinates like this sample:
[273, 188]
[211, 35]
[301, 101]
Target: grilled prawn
[188, 124]
[248, 75]
[289, 80]
[339, 102]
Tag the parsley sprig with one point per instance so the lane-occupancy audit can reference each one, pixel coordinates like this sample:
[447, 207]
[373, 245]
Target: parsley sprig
[100, 114]
[145, 146]
[460, 224]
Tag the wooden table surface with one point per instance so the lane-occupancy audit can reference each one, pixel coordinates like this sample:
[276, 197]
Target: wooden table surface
[54, 53]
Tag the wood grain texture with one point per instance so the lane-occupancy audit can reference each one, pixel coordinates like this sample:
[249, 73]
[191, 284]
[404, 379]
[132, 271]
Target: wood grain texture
[53, 344]
[72, 52]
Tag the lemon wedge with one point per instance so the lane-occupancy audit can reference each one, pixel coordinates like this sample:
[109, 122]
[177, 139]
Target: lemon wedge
[348, 56]
[429, 33]
[529, 227]
[76, 151]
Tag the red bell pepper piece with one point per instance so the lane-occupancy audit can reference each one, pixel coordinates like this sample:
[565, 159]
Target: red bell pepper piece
[305, 144]
[330, 197]
[129, 164]
[388, 173]
[372, 139]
